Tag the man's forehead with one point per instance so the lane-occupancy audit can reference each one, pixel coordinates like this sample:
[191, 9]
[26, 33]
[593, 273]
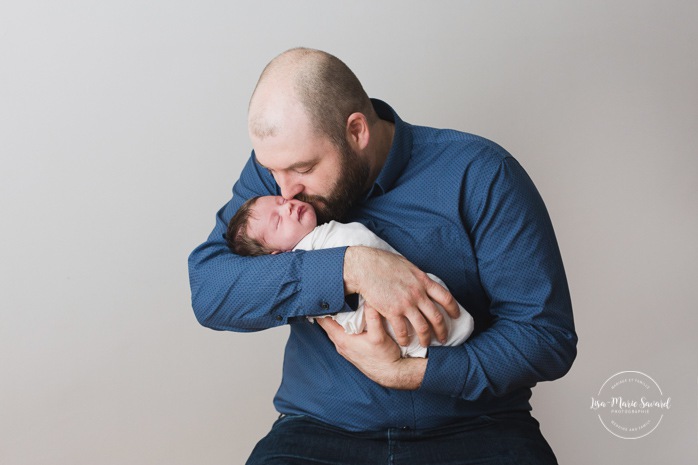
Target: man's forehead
[295, 143]
[276, 116]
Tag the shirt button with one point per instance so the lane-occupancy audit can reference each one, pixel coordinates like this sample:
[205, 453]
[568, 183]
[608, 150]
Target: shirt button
[279, 318]
[325, 306]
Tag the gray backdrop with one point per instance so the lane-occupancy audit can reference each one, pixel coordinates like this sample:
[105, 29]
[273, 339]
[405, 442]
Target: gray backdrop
[123, 127]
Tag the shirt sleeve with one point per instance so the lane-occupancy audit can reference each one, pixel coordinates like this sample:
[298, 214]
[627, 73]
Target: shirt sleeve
[532, 336]
[231, 292]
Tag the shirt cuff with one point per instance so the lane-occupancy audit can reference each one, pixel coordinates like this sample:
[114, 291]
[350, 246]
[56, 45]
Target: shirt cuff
[447, 369]
[323, 281]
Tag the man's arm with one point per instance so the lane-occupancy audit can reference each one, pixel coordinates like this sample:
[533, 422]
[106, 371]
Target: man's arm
[532, 337]
[230, 292]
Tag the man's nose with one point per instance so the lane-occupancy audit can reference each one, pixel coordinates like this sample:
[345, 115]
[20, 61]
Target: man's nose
[289, 187]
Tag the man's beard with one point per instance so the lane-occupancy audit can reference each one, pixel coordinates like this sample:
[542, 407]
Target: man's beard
[346, 192]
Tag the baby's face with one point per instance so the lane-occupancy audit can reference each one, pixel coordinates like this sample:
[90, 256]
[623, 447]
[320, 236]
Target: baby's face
[280, 224]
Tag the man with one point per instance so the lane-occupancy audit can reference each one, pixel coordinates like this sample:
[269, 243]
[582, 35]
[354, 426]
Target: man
[454, 205]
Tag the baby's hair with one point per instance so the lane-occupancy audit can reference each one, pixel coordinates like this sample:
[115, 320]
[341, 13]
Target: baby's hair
[237, 237]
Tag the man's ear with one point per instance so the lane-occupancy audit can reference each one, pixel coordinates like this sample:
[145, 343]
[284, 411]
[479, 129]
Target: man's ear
[358, 131]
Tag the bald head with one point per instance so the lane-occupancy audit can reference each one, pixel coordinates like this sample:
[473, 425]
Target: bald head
[311, 83]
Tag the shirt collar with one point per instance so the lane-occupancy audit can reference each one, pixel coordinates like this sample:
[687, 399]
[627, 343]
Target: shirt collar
[400, 150]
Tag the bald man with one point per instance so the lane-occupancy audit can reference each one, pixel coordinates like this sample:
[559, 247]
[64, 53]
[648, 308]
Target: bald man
[453, 204]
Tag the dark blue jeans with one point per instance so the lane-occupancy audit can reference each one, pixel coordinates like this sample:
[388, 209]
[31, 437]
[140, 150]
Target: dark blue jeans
[506, 438]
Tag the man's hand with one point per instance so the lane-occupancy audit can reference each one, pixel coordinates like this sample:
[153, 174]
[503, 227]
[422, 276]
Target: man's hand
[400, 292]
[375, 354]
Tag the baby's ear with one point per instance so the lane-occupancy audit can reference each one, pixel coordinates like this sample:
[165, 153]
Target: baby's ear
[275, 252]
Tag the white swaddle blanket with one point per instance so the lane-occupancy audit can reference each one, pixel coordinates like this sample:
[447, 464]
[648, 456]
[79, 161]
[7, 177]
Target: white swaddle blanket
[334, 234]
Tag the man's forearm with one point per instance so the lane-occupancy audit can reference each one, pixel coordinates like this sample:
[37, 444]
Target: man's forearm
[494, 362]
[230, 294]
[406, 374]
[354, 262]
[410, 374]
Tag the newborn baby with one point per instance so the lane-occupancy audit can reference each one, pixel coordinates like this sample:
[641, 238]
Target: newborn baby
[272, 224]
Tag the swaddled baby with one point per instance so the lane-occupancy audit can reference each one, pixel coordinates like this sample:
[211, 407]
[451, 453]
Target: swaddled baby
[271, 224]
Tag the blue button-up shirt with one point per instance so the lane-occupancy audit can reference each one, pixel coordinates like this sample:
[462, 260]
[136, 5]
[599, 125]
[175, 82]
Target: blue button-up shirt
[456, 205]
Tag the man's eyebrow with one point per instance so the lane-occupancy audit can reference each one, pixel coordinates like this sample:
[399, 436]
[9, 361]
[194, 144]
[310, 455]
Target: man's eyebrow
[294, 166]
[302, 164]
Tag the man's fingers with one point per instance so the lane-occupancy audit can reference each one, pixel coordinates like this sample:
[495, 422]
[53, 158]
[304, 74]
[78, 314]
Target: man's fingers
[333, 329]
[440, 295]
[374, 323]
[421, 327]
[399, 325]
[436, 319]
